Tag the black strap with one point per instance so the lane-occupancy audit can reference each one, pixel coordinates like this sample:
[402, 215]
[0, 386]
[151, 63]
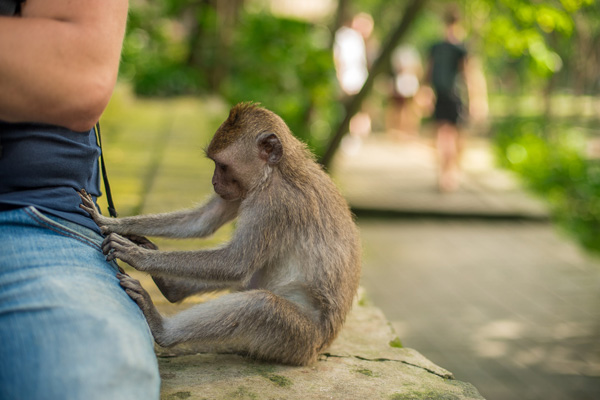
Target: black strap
[111, 206]
[10, 7]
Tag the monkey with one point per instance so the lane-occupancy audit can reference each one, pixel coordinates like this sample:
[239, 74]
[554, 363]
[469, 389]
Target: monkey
[292, 265]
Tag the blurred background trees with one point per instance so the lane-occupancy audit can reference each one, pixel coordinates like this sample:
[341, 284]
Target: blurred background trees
[540, 59]
[279, 54]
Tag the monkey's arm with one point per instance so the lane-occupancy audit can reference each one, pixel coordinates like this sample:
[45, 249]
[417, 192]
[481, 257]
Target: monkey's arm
[196, 222]
[177, 289]
[229, 265]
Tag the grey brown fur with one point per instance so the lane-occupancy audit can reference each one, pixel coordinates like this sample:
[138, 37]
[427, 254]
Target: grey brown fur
[293, 262]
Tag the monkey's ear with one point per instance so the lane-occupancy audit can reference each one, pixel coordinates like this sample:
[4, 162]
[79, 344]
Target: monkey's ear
[269, 147]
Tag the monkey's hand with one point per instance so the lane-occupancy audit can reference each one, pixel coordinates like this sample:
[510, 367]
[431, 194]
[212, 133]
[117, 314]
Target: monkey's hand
[106, 224]
[142, 241]
[116, 246]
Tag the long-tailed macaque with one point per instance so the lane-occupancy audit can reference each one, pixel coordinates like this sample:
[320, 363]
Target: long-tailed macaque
[293, 263]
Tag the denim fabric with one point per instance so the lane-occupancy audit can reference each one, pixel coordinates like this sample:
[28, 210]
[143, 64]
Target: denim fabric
[67, 329]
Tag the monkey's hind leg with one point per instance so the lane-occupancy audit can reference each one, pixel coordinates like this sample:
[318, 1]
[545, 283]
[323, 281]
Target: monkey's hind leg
[138, 294]
[258, 323]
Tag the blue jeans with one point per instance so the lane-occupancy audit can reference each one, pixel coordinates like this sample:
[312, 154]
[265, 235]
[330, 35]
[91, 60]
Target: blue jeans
[67, 329]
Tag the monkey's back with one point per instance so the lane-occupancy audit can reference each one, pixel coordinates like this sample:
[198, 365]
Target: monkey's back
[316, 225]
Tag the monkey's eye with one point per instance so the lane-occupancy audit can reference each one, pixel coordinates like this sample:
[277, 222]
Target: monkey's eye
[222, 167]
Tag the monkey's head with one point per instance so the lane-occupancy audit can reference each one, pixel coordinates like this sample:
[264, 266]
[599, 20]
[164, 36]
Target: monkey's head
[245, 148]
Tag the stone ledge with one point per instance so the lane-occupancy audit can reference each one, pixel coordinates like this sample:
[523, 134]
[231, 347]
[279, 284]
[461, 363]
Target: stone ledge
[365, 362]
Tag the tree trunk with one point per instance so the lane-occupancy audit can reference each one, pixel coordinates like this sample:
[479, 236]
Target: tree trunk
[195, 36]
[209, 49]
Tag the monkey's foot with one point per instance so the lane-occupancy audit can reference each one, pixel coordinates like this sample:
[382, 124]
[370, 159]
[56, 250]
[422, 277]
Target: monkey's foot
[135, 290]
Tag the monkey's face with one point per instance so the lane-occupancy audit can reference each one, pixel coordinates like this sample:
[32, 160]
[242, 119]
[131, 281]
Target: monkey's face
[235, 171]
[240, 166]
[225, 183]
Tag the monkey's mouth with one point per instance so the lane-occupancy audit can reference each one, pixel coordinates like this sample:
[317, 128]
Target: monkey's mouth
[226, 196]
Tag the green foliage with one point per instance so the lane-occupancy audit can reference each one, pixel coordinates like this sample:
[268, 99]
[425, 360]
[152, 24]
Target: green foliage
[533, 39]
[522, 43]
[155, 52]
[287, 66]
[551, 159]
[521, 30]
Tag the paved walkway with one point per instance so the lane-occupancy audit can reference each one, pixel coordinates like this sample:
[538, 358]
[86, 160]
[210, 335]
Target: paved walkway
[399, 178]
[508, 304]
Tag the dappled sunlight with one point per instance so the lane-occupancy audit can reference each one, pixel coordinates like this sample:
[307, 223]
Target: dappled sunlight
[490, 341]
[501, 303]
[550, 349]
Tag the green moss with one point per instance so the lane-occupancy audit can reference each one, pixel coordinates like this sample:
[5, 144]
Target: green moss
[179, 395]
[366, 372]
[262, 369]
[396, 343]
[242, 393]
[279, 380]
[428, 395]
[175, 367]
[167, 375]
[267, 371]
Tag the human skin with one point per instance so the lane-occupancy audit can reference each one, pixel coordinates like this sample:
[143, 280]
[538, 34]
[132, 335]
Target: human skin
[60, 61]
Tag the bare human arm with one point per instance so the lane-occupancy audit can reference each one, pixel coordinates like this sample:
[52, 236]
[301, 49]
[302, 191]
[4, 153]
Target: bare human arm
[61, 60]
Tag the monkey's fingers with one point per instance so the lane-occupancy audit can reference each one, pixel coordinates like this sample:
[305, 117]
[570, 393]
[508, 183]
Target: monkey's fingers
[113, 251]
[134, 289]
[87, 209]
[107, 246]
[142, 241]
[112, 256]
[115, 241]
[127, 281]
[118, 253]
[85, 197]
[87, 203]
[138, 298]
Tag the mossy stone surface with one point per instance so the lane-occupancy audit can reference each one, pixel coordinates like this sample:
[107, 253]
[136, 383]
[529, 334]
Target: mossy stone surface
[360, 364]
